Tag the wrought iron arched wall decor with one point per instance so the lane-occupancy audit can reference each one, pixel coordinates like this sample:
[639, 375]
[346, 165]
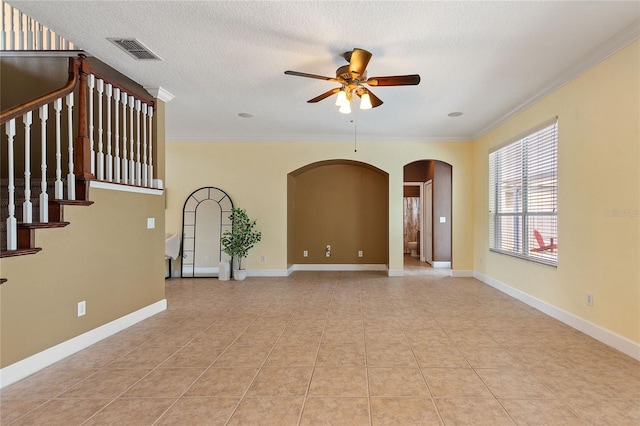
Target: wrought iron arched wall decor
[205, 217]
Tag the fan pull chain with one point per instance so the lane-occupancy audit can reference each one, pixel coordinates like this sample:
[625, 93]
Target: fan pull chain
[355, 136]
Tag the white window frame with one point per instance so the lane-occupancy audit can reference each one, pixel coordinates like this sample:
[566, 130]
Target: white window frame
[516, 238]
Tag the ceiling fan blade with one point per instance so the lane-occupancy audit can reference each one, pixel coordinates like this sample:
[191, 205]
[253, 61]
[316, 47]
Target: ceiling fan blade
[304, 74]
[396, 80]
[324, 95]
[358, 61]
[375, 101]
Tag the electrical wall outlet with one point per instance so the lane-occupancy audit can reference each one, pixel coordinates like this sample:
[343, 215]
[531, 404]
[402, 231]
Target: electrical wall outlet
[151, 223]
[82, 308]
[327, 251]
[263, 258]
[360, 254]
[589, 299]
[305, 253]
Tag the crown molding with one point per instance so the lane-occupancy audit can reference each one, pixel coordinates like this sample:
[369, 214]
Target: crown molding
[160, 93]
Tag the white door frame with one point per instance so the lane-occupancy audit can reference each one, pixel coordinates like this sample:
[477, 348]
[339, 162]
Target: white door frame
[424, 225]
[421, 185]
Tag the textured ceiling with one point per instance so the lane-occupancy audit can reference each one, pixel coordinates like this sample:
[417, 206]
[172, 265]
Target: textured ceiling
[485, 59]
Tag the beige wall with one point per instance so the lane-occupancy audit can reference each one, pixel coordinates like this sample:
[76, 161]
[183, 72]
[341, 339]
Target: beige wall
[106, 256]
[255, 177]
[598, 192]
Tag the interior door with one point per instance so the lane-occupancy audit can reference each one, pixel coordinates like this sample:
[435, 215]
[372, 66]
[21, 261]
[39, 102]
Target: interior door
[427, 224]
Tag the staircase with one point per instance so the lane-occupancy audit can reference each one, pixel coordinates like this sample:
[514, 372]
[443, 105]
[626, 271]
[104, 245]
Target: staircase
[92, 128]
[54, 217]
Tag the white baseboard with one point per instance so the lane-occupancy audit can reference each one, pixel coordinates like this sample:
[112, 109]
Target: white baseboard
[462, 273]
[21, 369]
[338, 267]
[267, 273]
[605, 336]
[439, 264]
[395, 272]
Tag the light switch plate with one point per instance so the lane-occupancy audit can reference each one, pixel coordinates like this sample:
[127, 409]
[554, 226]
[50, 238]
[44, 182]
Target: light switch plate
[443, 219]
[151, 223]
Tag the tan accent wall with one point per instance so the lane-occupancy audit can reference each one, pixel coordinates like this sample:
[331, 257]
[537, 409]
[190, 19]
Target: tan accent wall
[441, 208]
[598, 198]
[106, 256]
[343, 204]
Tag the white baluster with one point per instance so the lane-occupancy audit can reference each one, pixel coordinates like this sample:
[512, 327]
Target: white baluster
[132, 163]
[2, 28]
[150, 111]
[44, 197]
[145, 168]
[30, 41]
[12, 30]
[116, 163]
[100, 130]
[109, 141]
[39, 37]
[59, 193]
[91, 83]
[71, 177]
[125, 163]
[12, 224]
[138, 180]
[20, 32]
[27, 206]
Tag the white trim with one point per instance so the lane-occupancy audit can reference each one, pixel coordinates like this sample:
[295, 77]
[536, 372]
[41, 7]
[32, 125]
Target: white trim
[159, 93]
[395, 272]
[125, 188]
[338, 267]
[443, 265]
[21, 369]
[462, 273]
[599, 333]
[267, 273]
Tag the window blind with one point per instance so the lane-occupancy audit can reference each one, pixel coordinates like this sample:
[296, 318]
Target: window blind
[523, 196]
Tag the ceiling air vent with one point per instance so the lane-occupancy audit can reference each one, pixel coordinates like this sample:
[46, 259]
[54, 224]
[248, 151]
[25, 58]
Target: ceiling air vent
[135, 48]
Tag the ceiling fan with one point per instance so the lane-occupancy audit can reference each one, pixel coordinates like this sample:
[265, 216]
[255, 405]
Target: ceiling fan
[352, 79]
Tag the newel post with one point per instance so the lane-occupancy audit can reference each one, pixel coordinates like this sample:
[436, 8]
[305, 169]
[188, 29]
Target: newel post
[82, 143]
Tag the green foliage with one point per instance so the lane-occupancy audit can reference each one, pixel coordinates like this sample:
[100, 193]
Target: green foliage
[237, 242]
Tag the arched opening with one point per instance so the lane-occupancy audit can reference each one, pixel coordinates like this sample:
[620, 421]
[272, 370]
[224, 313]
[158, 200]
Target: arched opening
[338, 216]
[428, 213]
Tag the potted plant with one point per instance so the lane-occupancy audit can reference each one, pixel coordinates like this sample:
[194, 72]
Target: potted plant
[237, 242]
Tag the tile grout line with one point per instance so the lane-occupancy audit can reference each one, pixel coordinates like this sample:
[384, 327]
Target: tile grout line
[313, 369]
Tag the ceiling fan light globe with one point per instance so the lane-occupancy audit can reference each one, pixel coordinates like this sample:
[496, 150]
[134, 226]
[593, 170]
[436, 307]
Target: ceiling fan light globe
[342, 98]
[346, 108]
[365, 101]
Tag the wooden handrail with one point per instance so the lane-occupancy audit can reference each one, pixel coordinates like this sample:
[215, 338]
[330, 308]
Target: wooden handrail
[72, 82]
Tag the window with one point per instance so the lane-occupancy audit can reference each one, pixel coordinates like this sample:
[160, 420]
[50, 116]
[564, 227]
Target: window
[523, 195]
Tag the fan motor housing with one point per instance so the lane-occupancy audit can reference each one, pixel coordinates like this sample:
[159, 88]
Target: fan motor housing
[343, 73]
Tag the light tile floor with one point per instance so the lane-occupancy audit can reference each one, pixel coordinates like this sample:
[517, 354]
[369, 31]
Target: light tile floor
[336, 348]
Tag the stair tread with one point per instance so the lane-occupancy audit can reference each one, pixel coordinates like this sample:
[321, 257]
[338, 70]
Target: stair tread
[41, 225]
[71, 202]
[20, 252]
